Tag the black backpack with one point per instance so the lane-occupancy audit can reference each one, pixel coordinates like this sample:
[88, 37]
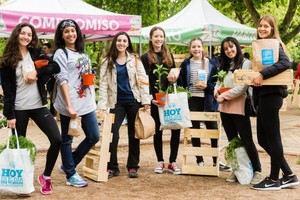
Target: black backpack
[51, 84]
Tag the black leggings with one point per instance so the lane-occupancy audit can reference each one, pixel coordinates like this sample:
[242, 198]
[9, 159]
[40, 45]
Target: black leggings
[45, 121]
[157, 138]
[268, 133]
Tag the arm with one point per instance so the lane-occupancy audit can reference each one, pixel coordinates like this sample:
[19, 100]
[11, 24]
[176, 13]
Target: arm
[103, 86]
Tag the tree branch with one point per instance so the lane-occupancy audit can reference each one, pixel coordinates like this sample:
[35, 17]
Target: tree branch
[290, 35]
[289, 15]
[253, 12]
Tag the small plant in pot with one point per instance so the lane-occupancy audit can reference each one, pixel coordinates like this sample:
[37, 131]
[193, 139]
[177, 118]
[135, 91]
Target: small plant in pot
[88, 76]
[221, 75]
[160, 71]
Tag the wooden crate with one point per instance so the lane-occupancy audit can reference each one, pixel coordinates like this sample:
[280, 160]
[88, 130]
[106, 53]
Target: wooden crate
[190, 151]
[295, 92]
[96, 160]
[244, 76]
[179, 58]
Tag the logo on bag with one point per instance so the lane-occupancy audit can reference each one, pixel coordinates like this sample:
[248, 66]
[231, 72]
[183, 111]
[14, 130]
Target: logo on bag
[173, 114]
[11, 176]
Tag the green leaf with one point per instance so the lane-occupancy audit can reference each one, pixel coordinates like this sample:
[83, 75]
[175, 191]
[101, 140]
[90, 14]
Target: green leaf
[24, 144]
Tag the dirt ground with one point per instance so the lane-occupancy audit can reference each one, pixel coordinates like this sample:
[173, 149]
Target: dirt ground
[159, 186]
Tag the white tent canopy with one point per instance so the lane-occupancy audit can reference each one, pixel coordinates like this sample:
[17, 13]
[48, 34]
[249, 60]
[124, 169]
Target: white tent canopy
[200, 19]
[44, 15]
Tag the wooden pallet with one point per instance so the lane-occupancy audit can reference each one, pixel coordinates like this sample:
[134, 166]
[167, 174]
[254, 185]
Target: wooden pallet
[190, 151]
[295, 92]
[96, 160]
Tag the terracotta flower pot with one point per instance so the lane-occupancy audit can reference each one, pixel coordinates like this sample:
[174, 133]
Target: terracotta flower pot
[160, 98]
[224, 89]
[41, 63]
[88, 79]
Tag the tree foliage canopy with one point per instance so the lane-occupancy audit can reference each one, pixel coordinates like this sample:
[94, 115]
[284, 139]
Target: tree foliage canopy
[246, 12]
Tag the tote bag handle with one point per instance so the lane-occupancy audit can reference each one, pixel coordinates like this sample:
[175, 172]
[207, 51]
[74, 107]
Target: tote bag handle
[9, 135]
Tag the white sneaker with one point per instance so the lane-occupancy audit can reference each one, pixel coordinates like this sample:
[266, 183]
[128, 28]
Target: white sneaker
[257, 178]
[231, 178]
[159, 169]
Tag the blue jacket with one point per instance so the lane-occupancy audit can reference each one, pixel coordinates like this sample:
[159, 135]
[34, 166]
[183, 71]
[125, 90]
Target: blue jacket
[184, 80]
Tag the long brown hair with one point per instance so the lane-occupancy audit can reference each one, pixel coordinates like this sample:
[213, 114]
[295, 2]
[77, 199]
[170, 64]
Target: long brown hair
[11, 54]
[274, 32]
[112, 53]
[166, 54]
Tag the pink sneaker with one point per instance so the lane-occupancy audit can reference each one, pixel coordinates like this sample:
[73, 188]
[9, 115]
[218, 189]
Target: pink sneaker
[46, 185]
[173, 168]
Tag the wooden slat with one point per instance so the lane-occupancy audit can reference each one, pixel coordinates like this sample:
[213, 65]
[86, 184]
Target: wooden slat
[204, 133]
[244, 76]
[205, 170]
[205, 116]
[201, 151]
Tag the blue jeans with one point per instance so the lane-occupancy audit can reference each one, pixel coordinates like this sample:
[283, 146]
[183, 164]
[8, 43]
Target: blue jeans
[90, 128]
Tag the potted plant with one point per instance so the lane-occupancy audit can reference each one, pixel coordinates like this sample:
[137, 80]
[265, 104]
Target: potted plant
[160, 71]
[24, 144]
[221, 75]
[88, 76]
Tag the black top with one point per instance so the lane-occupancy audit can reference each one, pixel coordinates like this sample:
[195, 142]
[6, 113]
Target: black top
[9, 83]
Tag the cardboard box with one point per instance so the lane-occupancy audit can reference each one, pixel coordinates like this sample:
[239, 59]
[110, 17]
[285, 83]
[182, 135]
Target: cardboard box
[244, 77]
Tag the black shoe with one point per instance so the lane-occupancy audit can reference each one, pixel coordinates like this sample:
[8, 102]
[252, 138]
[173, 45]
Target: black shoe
[289, 181]
[133, 173]
[223, 167]
[267, 184]
[112, 173]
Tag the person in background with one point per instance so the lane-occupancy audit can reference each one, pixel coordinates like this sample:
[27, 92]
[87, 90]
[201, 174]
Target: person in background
[25, 95]
[46, 48]
[297, 75]
[121, 92]
[213, 56]
[159, 53]
[74, 99]
[234, 115]
[202, 98]
[269, 100]
[247, 55]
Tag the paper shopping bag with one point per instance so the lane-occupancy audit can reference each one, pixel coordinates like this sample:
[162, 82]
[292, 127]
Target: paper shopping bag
[144, 124]
[265, 53]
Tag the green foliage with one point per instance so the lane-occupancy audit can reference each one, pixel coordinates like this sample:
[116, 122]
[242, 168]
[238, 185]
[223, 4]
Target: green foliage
[160, 71]
[3, 123]
[221, 75]
[230, 155]
[24, 144]
[179, 89]
[298, 162]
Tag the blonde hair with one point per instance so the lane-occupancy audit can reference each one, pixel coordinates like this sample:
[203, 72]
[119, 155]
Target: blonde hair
[274, 30]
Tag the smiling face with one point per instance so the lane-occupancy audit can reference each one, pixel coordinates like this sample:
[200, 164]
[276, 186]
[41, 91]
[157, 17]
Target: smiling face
[230, 49]
[69, 35]
[196, 48]
[25, 36]
[264, 29]
[122, 43]
[157, 38]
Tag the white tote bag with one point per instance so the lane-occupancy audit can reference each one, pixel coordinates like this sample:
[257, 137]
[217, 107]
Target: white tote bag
[175, 114]
[244, 170]
[16, 169]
